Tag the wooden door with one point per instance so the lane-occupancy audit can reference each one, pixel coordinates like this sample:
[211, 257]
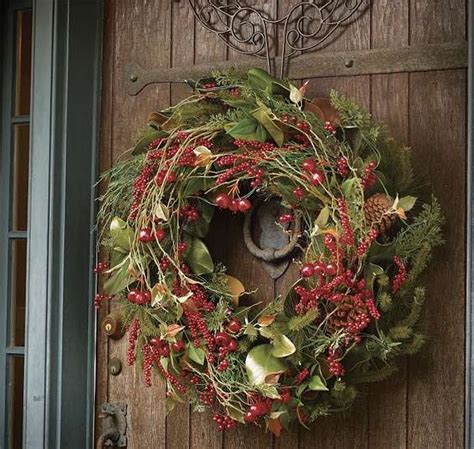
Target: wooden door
[423, 406]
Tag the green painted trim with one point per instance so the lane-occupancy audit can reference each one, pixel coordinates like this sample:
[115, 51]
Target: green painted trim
[61, 321]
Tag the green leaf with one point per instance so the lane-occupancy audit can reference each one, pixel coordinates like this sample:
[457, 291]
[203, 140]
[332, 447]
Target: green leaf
[273, 129]
[269, 391]
[199, 258]
[196, 184]
[261, 134]
[236, 414]
[379, 252]
[142, 145]
[316, 384]
[282, 346]
[348, 185]
[119, 280]
[196, 354]
[200, 227]
[370, 273]
[244, 129]
[407, 202]
[323, 217]
[260, 79]
[120, 233]
[260, 363]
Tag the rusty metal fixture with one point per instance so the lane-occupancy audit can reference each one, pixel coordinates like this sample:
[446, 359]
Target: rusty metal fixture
[277, 242]
[251, 31]
[114, 426]
[112, 326]
[114, 366]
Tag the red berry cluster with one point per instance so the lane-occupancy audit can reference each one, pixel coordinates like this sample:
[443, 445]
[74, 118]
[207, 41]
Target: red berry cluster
[224, 201]
[224, 422]
[336, 368]
[299, 193]
[235, 92]
[147, 364]
[401, 276]
[231, 172]
[189, 212]
[285, 218]
[139, 187]
[99, 298]
[285, 396]
[139, 296]
[200, 299]
[329, 127]
[197, 327]
[156, 143]
[211, 85]
[165, 176]
[101, 267]
[207, 395]
[301, 376]
[257, 175]
[342, 167]
[161, 347]
[260, 407]
[171, 378]
[369, 178]
[132, 341]
[348, 234]
[368, 240]
[146, 235]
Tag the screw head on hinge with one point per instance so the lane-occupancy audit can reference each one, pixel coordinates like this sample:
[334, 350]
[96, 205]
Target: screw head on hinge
[349, 63]
[133, 78]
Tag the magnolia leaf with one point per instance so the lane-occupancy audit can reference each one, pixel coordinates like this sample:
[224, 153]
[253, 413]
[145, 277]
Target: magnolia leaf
[261, 134]
[196, 354]
[266, 320]
[407, 202]
[196, 184]
[316, 384]
[161, 212]
[173, 329]
[244, 129]
[296, 95]
[119, 280]
[120, 233]
[261, 79]
[236, 414]
[261, 363]
[199, 258]
[348, 185]
[274, 426]
[273, 129]
[142, 145]
[323, 217]
[266, 332]
[236, 289]
[283, 346]
[370, 273]
[204, 156]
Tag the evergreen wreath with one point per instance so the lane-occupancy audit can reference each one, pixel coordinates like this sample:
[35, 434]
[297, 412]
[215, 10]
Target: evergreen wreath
[364, 242]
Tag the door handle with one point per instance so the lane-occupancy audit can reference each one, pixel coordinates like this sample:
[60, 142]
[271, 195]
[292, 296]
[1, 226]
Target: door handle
[114, 426]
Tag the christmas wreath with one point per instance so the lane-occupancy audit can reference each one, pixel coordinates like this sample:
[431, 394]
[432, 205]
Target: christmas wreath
[364, 240]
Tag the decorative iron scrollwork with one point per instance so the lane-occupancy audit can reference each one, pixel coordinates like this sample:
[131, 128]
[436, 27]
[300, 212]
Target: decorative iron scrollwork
[307, 25]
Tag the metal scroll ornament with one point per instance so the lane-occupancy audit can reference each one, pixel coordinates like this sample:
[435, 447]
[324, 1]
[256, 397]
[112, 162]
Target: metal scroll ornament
[251, 31]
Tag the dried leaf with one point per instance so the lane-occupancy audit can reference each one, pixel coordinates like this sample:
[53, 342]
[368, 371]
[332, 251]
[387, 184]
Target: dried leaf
[173, 329]
[266, 320]
[274, 426]
[236, 289]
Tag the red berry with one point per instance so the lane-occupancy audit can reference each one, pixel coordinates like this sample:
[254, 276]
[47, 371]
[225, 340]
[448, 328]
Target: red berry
[331, 269]
[319, 268]
[132, 295]
[309, 165]
[234, 205]
[286, 218]
[244, 205]
[307, 270]
[223, 201]
[222, 339]
[250, 417]
[160, 234]
[155, 341]
[165, 351]
[178, 346]
[145, 235]
[232, 345]
[234, 326]
[318, 177]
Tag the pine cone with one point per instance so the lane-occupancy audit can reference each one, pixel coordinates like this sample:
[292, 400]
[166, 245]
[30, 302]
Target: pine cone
[346, 313]
[375, 211]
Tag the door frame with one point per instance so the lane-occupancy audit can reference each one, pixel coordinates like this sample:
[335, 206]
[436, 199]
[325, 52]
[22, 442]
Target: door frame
[61, 324]
[60, 347]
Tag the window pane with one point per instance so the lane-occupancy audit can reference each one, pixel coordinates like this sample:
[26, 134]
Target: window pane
[20, 161]
[18, 292]
[15, 402]
[23, 62]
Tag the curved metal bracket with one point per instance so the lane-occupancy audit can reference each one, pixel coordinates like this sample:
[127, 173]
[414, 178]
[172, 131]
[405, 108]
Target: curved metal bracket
[276, 245]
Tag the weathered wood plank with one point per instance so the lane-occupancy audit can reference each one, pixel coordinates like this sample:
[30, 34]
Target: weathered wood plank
[312, 65]
[436, 375]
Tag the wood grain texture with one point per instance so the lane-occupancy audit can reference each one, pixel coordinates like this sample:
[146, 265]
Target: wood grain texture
[423, 406]
[436, 375]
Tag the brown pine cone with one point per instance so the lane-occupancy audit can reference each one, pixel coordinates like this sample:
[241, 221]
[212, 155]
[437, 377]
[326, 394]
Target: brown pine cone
[375, 211]
[345, 314]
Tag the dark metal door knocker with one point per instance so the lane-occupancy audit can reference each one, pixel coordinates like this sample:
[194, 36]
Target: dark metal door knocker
[277, 241]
